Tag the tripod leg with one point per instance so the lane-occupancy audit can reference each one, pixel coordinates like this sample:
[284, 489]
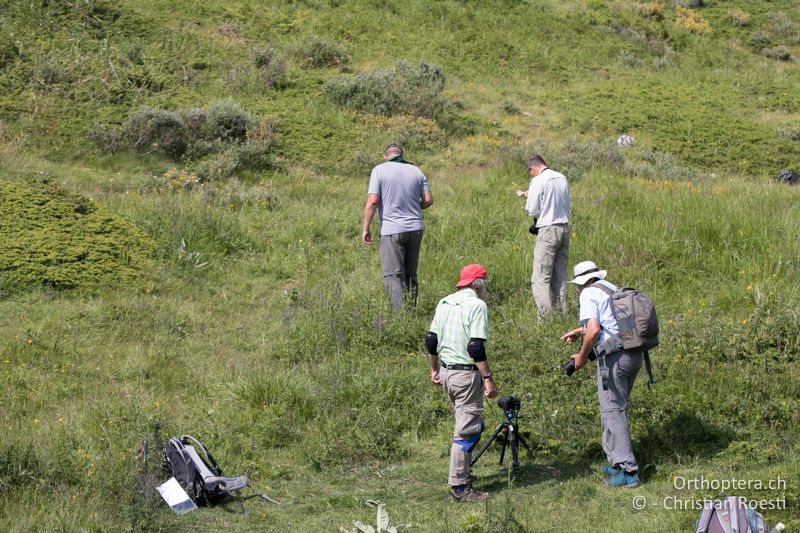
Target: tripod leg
[512, 437]
[505, 443]
[522, 441]
[477, 456]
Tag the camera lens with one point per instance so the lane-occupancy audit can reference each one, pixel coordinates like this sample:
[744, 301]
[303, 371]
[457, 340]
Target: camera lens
[569, 367]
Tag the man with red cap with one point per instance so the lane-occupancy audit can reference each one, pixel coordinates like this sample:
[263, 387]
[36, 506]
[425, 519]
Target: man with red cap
[457, 336]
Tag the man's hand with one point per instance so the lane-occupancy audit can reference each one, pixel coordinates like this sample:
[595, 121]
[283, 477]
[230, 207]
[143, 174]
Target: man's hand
[490, 391]
[578, 360]
[435, 379]
[366, 238]
[570, 336]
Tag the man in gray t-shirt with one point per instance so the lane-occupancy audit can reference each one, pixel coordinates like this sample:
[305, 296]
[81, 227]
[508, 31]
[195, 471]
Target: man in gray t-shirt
[399, 191]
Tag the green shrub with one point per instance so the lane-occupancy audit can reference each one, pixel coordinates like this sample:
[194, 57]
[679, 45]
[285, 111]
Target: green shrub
[790, 134]
[228, 121]
[510, 108]
[779, 52]
[651, 10]
[221, 166]
[269, 66]
[318, 52]
[107, 138]
[195, 119]
[263, 55]
[54, 238]
[149, 129]
[403, 89]
[691, 20]
[738, 17]
[233, 194]
[628, 59]
[9, 52]
[254, 155]
[781, 28]
[48, 71]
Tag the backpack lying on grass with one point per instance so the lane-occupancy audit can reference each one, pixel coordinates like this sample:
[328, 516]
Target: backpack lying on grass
[730, 515]
[200, 476]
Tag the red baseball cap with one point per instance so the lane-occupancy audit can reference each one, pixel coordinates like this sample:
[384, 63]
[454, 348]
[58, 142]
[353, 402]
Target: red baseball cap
[470, 273]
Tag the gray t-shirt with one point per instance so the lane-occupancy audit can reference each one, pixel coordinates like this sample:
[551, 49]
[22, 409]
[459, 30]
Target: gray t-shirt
[400, 187]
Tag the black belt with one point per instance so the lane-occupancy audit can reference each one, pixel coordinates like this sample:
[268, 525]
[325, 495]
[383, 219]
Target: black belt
[459, 367]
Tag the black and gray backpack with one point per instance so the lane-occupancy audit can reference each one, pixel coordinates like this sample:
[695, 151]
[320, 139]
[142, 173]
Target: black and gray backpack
[199, 474]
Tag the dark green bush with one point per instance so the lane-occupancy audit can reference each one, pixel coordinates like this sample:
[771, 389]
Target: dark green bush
[402, 90]
[107, 138]
[317, 52]
[149, 129]
[228, 121]
[9, 52]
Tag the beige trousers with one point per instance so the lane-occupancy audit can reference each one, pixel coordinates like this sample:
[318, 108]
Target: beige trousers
[549, 277]
[464, 389]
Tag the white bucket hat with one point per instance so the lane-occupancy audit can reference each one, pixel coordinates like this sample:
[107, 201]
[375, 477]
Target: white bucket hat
[586, 270]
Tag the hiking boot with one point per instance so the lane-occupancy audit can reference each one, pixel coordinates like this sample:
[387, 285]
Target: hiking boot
[609, 470]
[623, 479]
[469, 495]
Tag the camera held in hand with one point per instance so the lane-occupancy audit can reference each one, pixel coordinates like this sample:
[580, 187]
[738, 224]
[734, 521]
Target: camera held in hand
[533, 230]
[569, 366]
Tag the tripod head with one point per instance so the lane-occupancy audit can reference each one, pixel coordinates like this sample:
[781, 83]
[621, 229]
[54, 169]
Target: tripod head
[508, 432]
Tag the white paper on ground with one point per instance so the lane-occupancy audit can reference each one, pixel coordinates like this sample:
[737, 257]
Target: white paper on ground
[176, 497]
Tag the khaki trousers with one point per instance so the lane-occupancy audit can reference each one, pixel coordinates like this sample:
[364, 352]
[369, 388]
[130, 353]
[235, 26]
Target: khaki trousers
[464, 389]
[549, 276]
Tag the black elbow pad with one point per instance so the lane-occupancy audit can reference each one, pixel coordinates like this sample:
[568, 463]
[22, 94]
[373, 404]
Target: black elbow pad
[476, 350]
[432, 343]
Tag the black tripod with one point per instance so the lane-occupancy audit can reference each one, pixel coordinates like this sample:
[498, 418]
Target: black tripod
[510, 437]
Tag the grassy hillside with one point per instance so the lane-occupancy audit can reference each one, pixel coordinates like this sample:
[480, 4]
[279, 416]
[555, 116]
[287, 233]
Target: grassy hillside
[182, 188]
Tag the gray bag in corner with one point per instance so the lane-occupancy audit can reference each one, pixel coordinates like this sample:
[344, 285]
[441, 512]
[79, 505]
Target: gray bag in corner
[729, 515]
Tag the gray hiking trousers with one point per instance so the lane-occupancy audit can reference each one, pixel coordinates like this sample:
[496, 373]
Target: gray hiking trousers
[623, 366]
[399, 260]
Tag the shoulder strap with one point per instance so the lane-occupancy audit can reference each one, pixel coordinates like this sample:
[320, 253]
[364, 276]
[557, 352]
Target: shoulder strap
[210, 459]
[602, 287]
[733, 513]
[705, 519]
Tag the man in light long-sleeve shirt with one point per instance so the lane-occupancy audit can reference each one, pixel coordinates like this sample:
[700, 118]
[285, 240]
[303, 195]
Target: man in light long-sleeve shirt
[548, 204]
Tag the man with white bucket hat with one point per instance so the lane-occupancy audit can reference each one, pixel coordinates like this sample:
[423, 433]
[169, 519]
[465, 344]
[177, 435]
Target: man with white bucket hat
[617, 370]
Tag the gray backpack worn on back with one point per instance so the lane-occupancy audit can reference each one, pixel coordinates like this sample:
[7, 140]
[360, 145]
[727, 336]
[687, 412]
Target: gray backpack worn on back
[636, 319]
[729, 515]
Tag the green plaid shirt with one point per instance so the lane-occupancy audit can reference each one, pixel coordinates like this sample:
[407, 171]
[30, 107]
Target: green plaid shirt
[459, 317]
